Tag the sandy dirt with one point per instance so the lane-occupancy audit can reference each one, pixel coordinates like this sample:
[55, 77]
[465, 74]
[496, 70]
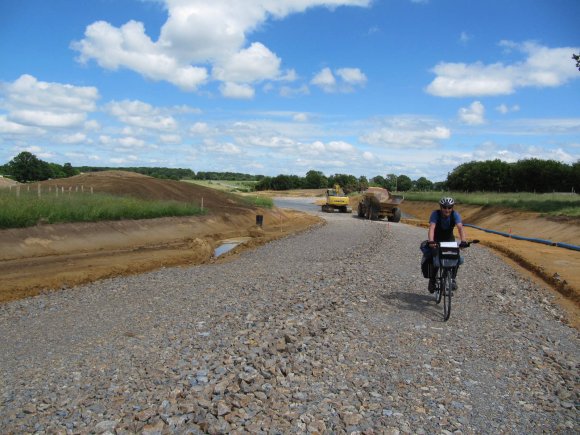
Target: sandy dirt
[47, 257]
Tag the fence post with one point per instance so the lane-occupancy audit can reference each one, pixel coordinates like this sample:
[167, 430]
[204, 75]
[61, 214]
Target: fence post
[39, 190]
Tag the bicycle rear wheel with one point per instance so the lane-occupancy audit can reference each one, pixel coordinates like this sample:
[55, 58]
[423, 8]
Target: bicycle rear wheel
[446, 289]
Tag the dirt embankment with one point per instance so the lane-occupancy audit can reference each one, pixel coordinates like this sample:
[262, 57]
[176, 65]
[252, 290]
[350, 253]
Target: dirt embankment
[48, 257]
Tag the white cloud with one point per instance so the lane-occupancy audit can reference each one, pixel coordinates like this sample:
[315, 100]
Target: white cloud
[340, 147]
[225, 148]
[129, 47]
[513, 153]
[198, 34]
[75, 138]
[352, 76]
[349, 77]
[504, 109]
[170, 138]
[256, 63]
[464, 38]
[35, 103]
[287, 91]
[407, 133]
[543, 67]
[325, 79]
[473, 115]
[10, 127]
[124, 160]
[300, 117]
[199, 128]
[45, 118]
[237, 91]
[139, 114]
[367, 155]
[37, 151]
[130, 142]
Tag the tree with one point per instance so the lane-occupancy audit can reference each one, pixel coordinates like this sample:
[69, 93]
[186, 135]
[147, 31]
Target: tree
[440, 185]
[349, 183]
[423, 184]
[535, 175]
[576, 57]
[68, 170]
[315, 180]
[404, 183]
[391, 182]
[27, 167]
[363, 183]
[264, 184]
[379, 180]
[575, 176]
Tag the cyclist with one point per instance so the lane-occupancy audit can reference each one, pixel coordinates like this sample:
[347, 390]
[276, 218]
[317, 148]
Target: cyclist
[441, 225]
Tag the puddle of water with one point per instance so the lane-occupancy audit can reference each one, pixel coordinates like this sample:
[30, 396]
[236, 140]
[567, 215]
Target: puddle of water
[227, 245]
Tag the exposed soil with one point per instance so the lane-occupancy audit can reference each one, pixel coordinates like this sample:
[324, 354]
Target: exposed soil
[48, 257]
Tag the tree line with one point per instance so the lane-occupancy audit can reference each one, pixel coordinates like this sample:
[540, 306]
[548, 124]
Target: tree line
[529, 175]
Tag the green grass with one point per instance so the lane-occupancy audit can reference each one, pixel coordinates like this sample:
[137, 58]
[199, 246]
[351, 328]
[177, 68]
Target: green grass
[28, 209]
[553, 204]
[226, 185]
[258, 201]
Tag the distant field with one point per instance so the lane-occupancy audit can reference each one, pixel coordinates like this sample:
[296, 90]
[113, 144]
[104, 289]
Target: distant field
[553, 204]
[27, 209]
[226, 185]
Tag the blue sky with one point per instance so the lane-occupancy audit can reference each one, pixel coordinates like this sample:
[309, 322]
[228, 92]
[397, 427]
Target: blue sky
[362, 87]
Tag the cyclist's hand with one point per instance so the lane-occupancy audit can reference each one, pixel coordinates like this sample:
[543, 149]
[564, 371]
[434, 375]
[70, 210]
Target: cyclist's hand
[463, 244]
[432, 244]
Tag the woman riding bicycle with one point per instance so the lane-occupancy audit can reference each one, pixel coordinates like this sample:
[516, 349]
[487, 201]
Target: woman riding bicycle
[441, 225]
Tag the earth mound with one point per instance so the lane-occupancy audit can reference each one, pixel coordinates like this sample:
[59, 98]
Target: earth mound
[149, 188]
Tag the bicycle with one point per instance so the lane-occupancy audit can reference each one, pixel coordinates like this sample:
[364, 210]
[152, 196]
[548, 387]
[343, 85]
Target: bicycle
[446, 260]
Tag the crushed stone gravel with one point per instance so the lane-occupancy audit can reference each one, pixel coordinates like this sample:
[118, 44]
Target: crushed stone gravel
[328, 331]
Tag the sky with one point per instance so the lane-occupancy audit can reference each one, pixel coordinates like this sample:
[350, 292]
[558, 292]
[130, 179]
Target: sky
[360, 87]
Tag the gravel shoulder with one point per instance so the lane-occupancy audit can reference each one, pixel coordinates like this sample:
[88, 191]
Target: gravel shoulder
[331, 330]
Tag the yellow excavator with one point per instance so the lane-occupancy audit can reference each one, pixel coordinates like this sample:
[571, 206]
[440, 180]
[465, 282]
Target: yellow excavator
[336, 199]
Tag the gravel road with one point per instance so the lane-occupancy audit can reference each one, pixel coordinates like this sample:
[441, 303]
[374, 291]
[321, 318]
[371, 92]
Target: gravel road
[328, 331]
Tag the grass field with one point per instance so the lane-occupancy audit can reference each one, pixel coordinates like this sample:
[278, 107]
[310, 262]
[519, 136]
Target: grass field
[226, 185]
[259, 201]
[554, 204]
[27, 209]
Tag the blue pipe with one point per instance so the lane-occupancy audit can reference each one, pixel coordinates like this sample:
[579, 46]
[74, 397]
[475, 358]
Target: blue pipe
[528, 239]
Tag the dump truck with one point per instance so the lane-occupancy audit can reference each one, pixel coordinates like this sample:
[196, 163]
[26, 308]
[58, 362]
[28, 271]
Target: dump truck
[379, 203]
[336, 199]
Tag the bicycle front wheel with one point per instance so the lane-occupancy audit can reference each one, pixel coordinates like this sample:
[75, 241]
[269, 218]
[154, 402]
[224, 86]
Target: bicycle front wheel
[446, 289]
[438, 289]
